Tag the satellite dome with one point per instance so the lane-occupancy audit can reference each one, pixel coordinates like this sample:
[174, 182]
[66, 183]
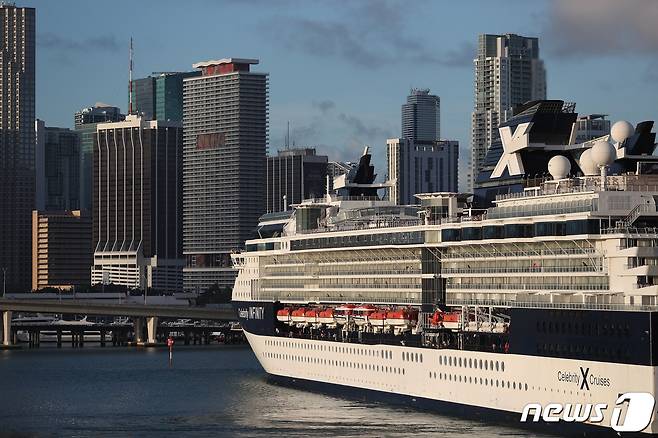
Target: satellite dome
[603, 153]
[559, 167]
[587, 165]
[621, 130]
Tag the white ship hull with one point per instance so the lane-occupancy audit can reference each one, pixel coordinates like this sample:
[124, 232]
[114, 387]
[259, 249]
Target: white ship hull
[455, 376]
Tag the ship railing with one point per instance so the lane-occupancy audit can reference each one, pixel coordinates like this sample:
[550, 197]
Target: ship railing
[631, 230]
[529, 287]
[493, 270]
[540, 252]
[548, 305]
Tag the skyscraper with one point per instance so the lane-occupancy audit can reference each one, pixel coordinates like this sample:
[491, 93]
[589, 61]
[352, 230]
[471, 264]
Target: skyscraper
[160, 97]
[295, 174]
[421, 167]
[225, 116]
[421, 116]
[61, 249]
[591, 126]
[508, 72]
[57, 168]
[86, 121]
[137, 226]
[17, 186]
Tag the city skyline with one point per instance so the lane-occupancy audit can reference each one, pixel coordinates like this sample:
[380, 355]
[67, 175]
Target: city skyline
[332, 93]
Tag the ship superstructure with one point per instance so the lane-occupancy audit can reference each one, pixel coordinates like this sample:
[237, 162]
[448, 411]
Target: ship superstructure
[542, 288]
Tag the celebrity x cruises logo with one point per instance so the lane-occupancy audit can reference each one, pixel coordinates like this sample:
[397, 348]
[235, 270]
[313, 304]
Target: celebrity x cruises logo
[638, 406]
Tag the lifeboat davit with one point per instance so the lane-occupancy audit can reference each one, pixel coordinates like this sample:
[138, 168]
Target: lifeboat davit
[298, 316]
[343, 313]
[362, 314]
[327, 317]
[284, 315]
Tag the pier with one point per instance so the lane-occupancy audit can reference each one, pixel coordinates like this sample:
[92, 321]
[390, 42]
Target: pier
[144, 329]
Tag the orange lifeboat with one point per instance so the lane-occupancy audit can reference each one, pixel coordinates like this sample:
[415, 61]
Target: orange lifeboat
[343, 313]
[377, 320]
[449, 320]
[401, 317]
[298, 316]
[284, 315]
[312, 316]
[327, 317]
[362, 314]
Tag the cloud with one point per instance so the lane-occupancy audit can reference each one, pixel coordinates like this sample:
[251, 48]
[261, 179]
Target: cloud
[324, 105]
[364, 132]
[366, 33]
[51, 41]
[602, 27]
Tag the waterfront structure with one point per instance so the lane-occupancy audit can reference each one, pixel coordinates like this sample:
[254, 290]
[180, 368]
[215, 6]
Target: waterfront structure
[57, 168]
[294, 175]
[137, 226]
[421, 167]
[85, 122]
[548, 295]
[61, 249]
[225, 116]
[17, 161]
[591, 126]
[160, 96]
[508, 72]
[421, 116]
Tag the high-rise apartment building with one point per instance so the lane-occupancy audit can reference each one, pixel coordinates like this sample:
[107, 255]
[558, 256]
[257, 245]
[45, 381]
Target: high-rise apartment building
[61, 249]
[160, 97]
[508, 72]
[294, 175]
[17, 163]
[225, 116]
[591, 126]
[421, 116]
[86, 121]
[137, 226]
[421, 167]
[57, 168]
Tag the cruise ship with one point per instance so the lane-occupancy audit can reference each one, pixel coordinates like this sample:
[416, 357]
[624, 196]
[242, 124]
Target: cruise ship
[534, 298]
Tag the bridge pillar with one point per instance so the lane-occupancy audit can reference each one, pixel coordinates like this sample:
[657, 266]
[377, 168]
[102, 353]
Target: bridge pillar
[151, 329]
[138, 323]
[6, 328]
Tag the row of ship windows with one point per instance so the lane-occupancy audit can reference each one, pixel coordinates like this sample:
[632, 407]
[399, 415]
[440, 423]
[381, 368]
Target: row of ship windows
[472, 363]
[584, 328]
[482, 381]
[585, 351]
[338, 363]
[383, 354]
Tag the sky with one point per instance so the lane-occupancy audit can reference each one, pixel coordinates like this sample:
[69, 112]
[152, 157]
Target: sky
[340, 70]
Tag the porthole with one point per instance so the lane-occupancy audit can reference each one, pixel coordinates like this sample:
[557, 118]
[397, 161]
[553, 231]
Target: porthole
[440, 360]
[486, 365]
[502, 366]
[460, 361]
[497, 366]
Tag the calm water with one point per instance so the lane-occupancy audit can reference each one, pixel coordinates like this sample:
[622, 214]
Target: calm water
[208, 391]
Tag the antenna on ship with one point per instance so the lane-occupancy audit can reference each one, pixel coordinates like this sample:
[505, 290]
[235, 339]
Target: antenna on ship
[130, 78]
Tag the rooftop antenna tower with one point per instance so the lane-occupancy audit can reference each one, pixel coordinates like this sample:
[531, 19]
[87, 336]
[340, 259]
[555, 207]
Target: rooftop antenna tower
[288, 136]
[130, 78]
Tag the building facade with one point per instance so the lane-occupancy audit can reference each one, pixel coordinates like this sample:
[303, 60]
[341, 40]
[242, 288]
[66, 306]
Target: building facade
[61, 249]
[160, 97]
[225, 125]
[591, 126]
[86, 121]
[294, 175]
[17, 161]
[421, 116]
[57, 168]
[137, 226]
[421, 167]
[508, 72]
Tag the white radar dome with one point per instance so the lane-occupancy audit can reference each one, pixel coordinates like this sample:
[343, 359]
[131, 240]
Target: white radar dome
[559, 167]
[603, 153]
[587, 165]
[621, 130]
